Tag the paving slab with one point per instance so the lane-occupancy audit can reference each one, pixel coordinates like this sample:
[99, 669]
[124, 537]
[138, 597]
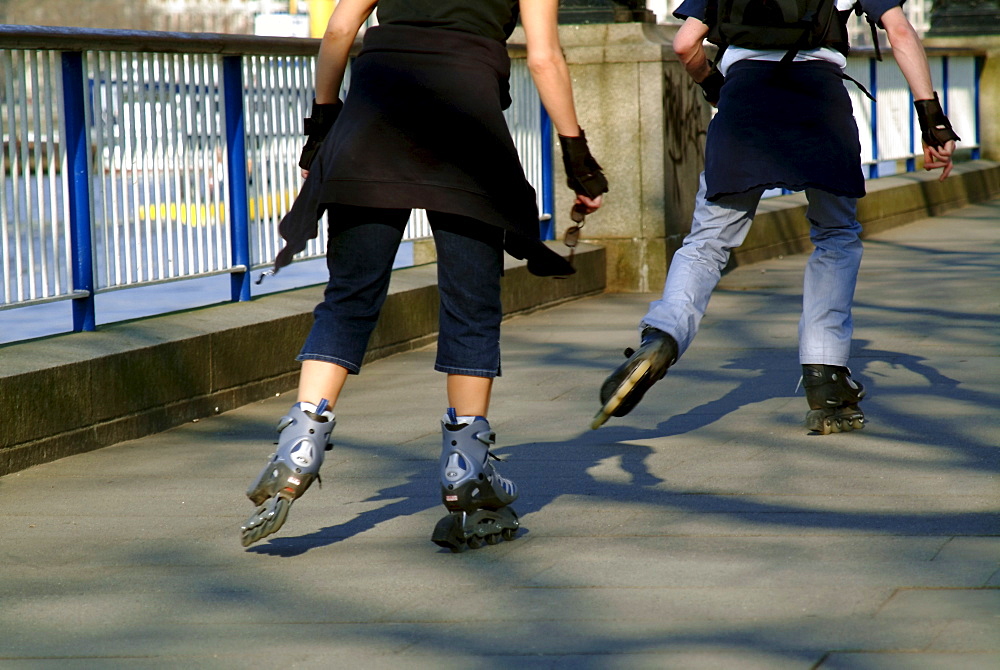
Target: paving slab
[705, 530]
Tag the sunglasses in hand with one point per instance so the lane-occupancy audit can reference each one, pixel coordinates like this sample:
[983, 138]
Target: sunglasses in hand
[572, 236]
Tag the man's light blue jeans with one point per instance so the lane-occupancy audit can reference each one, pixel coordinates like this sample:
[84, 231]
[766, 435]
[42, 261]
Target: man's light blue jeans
[825, 328]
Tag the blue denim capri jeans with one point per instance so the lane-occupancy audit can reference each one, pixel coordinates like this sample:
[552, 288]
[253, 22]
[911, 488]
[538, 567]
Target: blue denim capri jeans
[361, 248]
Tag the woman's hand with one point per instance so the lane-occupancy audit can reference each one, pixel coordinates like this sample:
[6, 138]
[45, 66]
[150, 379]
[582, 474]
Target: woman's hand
[590, 205]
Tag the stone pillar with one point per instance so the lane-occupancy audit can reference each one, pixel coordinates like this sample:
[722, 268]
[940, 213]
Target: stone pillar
[645, 122]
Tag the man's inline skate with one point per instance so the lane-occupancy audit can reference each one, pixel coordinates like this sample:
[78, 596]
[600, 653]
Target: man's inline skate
[476, 496]
[833, 399]
[624, 388]
[303, 440]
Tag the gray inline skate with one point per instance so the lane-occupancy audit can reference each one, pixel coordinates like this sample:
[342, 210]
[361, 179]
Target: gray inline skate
[624, 388]
[303, 440]
[833, 399]
[475, 494]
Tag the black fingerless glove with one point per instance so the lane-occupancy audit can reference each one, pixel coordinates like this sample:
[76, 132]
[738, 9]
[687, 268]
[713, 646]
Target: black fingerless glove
[712, 84]
[316, 128]
[935, 129]
[583, 174]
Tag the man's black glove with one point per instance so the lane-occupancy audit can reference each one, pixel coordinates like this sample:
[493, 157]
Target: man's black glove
[935, 129]
[583, 174]
[316, 128]
[712, 84]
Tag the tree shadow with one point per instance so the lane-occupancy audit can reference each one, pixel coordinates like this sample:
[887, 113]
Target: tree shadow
[417, 493]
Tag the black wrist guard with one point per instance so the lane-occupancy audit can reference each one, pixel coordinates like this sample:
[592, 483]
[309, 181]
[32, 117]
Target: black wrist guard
[316, 128]
[712, 84]
[935, 129]
[583, 174]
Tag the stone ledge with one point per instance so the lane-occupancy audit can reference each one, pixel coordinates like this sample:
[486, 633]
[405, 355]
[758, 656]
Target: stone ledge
[133, 379]
[136, 378]
[780, 226]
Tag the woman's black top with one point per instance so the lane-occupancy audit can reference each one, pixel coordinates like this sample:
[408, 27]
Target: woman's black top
[489, 18]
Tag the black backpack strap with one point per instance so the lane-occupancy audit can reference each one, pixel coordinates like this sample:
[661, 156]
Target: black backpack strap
[878, 52]
[847, 77]
[788, 57]
[808, 19]
[858, 10]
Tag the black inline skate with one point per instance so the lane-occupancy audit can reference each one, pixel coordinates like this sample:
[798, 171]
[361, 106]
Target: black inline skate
[476, 496]
[833, 399]
[624, 388]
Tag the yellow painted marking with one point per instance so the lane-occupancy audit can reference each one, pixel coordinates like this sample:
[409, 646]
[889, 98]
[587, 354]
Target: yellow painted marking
[195, 214]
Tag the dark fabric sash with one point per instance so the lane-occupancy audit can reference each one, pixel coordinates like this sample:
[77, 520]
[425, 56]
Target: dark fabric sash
[423, 127]
[783, 126]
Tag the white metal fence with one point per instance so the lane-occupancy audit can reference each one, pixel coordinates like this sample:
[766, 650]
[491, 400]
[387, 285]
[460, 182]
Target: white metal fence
[34, 241]
[158, 195]
[278, 95]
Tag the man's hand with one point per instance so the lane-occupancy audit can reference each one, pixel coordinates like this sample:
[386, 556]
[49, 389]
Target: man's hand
[939, 157]
[936, 134]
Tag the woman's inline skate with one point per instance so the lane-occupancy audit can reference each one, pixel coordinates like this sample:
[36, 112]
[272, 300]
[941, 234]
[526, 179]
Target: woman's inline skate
[476, 496]
[303, 440]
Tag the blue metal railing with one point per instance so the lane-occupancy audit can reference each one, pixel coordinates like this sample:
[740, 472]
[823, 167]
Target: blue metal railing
[174, 158]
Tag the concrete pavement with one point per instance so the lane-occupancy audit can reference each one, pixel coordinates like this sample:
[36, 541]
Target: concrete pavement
[704, 530]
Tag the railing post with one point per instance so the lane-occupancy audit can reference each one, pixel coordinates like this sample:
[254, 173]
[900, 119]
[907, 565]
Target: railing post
[873, 81]
[914, 142]
[547, 221]
[980, 63]
[945, 84]
[236, 151]
[74, 85]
